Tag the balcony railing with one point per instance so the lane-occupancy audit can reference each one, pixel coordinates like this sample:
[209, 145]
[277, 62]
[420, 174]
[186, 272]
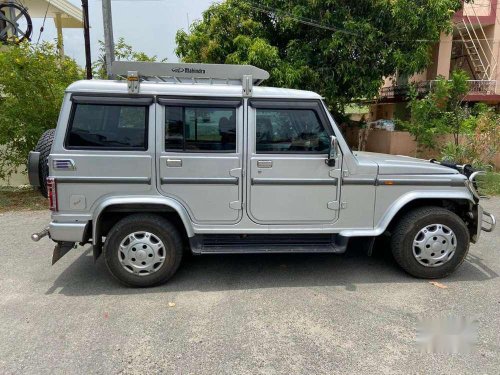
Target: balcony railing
[482, 87]
[476, 87]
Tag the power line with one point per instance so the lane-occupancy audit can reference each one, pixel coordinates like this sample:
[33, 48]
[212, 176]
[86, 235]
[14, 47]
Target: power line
[306, 21]
[43, 24]
[315, 23]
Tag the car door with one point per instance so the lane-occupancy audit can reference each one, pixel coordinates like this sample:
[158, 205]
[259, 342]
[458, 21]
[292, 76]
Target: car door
[288, 180]
[200, 156]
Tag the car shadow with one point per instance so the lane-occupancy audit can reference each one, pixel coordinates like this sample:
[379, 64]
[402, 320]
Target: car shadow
[237, 272]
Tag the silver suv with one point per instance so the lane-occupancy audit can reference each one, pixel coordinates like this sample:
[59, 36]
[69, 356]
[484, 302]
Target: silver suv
[199, 157]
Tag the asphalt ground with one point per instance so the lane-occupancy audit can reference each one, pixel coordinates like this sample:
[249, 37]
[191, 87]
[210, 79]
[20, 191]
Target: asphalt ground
[241, 314]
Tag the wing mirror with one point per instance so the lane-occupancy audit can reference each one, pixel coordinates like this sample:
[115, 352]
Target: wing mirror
[333, 152]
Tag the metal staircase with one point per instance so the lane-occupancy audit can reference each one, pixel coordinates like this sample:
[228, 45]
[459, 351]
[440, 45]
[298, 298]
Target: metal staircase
[479, 48]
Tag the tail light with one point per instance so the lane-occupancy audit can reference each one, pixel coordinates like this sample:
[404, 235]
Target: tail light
[52, 193]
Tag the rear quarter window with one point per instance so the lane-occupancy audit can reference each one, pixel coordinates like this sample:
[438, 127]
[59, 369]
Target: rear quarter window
[108, 127]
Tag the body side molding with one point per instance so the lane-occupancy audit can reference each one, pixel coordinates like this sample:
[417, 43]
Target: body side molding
[200, 181]
[408, 180]
[102, 180]
[294, 181]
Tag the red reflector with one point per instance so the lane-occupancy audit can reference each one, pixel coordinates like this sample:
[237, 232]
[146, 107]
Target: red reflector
[52, 193]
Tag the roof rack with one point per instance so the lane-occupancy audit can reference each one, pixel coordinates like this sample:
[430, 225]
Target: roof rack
[135, 72]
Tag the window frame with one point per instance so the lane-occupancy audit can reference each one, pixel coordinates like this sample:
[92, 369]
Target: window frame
[193, 102]
[76, 100]
[280, 104]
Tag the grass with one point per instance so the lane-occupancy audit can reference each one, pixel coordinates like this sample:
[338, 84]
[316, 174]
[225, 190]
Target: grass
[489, 184]
[21, 198]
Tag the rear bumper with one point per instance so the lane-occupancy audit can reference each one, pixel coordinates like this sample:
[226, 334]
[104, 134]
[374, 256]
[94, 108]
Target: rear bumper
[68, 232]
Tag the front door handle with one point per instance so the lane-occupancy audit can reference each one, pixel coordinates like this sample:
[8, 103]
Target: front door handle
[264, 163]
[174, 163]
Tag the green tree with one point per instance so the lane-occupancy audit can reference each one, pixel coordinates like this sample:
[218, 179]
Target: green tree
[123, 51]
[32, 83]
[440, 112]
[339, 48]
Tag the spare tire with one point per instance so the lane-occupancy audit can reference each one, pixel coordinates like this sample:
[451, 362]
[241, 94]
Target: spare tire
[43, 147]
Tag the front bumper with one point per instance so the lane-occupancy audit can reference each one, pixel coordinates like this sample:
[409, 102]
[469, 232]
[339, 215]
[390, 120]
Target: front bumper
[488, 222]
[484, 222]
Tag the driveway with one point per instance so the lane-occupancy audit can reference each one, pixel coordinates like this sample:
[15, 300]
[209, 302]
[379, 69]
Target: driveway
[287, 314]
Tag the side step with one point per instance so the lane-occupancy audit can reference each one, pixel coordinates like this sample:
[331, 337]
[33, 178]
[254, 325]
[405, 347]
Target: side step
[268, 243]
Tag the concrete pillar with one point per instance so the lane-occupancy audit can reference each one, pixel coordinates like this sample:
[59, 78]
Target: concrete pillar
[444, 55]
[496, 55]
[60, 39]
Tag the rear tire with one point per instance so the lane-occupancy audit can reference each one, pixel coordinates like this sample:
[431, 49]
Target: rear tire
[430, 242]
[43, 147]
[143, 250]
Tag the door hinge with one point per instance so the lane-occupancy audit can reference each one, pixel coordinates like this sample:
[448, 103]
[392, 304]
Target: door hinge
[236, 172]
[236, 205]
[334, 173]
[336, 205]
[333, 206]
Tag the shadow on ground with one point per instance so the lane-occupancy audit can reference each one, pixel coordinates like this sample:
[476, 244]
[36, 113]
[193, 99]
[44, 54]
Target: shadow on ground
[235, 272]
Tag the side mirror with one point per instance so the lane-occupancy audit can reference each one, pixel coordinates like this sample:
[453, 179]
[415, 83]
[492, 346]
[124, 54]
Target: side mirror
[334, 151]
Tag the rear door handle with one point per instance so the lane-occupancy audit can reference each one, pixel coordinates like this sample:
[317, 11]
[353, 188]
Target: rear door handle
[264, 163]
[174, 163]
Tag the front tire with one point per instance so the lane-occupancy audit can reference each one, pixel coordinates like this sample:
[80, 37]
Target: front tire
[143, 250]
[430, 242]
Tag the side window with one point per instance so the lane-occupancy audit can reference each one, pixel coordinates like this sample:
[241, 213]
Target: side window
[290, 131]
[109, 127]
[200, 129]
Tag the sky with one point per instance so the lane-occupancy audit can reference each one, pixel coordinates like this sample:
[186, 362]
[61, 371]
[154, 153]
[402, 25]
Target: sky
[148, 25]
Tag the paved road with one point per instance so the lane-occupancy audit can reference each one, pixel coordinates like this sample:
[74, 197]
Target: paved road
[270, 314]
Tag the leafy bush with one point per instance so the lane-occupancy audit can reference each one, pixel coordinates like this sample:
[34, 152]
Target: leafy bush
[439, 112]
[479, 146]
[32, 83]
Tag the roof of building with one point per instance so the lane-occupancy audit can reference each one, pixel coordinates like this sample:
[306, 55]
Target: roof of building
[186, 89]
[71, 15]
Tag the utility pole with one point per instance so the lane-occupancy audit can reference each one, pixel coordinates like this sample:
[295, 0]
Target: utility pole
[109, 43]
[86, 37]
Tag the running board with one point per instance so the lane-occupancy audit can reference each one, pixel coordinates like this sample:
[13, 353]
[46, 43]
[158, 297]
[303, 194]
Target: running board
[268, 243]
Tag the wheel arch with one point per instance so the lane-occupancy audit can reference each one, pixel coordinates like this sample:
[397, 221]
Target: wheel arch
[409, 201]
[139, 204]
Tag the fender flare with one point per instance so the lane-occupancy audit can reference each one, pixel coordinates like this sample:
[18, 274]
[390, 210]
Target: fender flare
[402, 201]
[162, 201]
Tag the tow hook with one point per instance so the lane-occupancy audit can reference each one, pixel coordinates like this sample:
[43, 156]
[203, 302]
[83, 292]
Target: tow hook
[38, 236]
